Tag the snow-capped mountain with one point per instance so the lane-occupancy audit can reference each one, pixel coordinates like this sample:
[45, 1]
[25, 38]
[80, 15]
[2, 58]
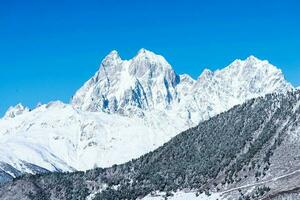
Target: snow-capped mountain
[128, 108]
[147, 83]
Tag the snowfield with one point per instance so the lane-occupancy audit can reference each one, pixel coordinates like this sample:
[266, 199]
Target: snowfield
[58, 137]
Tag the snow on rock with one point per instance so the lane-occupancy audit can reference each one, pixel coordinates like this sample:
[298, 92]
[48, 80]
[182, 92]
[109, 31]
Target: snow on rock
[216, 92]
[14, 111]
[145, 82]
[148, 83]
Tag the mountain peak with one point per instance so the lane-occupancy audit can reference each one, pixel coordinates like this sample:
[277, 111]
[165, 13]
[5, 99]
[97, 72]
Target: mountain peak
[146, 54]
[16, 110]
[252, 58]
[206, 74]
[144, 51]
[252, 63]
[249, 61]
[148, 61]
[144, 82]
[113, 55]
[109, 65]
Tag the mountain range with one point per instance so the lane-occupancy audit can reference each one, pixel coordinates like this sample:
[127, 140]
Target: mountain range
[251, 151]
[127, 109]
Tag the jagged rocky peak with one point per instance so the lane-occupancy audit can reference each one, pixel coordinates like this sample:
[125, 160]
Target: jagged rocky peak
[206, 74]
[156, 77]
[113, 55]
[144, 54]
[259, 75]
[149, 63]
[16, 110]
[186, 78]
[251, 75]
[110, 65]
[148, 82]
[112, 58]
[252, 65]
[144, 82]
[252, 58]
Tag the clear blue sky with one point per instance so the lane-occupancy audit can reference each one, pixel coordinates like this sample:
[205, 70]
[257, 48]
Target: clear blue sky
[48, 49]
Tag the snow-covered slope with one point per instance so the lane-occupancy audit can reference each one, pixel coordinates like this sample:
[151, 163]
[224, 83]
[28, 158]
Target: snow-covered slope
[57, 137]
[251, 151]
[128, 108]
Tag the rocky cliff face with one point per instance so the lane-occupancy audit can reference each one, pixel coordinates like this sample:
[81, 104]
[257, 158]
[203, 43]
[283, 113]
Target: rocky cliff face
[147, 83]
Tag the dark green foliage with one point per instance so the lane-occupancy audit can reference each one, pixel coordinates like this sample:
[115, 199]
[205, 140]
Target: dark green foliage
[260, 191]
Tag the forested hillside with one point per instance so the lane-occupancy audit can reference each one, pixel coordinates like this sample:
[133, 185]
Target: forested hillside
[249, 145]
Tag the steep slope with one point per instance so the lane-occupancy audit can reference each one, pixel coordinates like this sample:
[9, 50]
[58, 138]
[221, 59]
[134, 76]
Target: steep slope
[57, 137]
[250, 151]
[215, 92]
[128, 108]
[147, 83]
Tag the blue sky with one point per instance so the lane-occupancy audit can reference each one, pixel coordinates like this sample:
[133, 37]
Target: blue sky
[48, 49]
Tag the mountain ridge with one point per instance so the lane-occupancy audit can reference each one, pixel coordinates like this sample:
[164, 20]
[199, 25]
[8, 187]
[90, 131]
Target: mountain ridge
[132, 79]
